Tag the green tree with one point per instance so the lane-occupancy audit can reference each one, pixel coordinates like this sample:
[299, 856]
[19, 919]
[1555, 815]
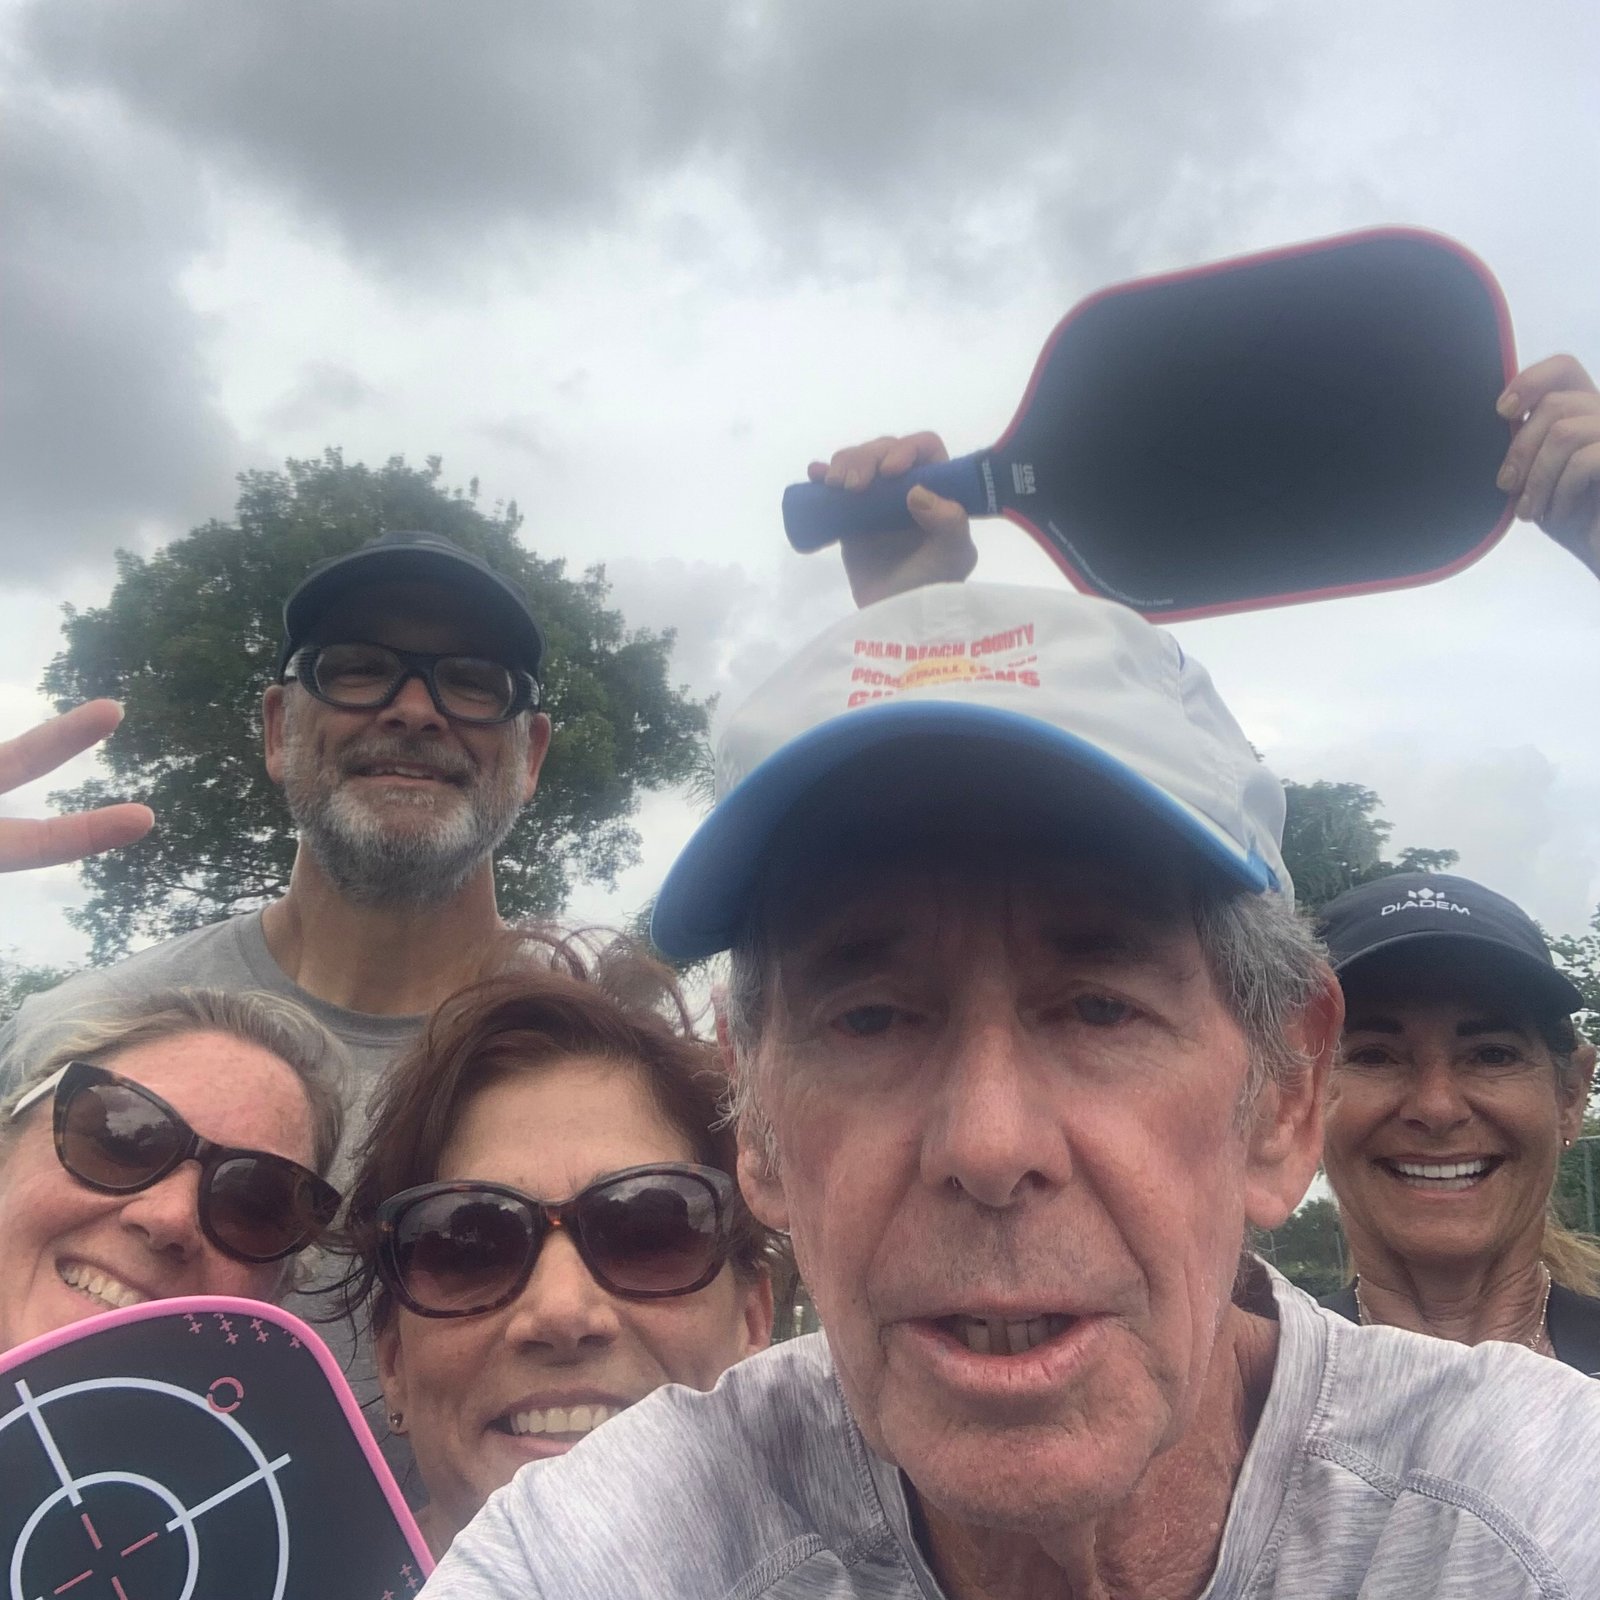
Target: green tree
[1577, 1186]
[1334, 839]
[188, 639]
[1578, 955]
[1309, 1248]
[18, 980]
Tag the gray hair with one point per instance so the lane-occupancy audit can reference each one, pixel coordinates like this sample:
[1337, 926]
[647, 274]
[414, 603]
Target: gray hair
[373, 865]
[1262, 955]
[276, 1025]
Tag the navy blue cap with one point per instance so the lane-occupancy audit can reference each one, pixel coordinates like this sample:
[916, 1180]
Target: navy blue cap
[423, 557]
[1433, 913]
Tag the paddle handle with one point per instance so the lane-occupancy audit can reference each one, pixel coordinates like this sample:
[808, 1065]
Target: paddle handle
[816, 515]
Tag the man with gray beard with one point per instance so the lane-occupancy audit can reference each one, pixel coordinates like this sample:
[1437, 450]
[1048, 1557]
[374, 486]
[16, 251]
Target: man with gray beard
[404, 729]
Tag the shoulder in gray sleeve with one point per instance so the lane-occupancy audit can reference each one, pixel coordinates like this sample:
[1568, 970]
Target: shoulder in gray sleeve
[758, 1488]
[206, 957]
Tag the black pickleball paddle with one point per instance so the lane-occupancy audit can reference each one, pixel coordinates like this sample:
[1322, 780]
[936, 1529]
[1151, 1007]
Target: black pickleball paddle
[195, 1449]
[1309, 422]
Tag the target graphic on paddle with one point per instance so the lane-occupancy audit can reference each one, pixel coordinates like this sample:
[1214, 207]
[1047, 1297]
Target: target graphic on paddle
[194, 1450]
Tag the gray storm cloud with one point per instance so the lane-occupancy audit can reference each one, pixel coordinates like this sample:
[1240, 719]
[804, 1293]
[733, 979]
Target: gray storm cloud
[434, 141]
[106, 414]
[956, 146]
[732, 628]
[423, 133]
[322, 389]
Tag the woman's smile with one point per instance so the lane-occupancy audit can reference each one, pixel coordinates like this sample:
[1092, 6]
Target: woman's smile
[1440, 1175]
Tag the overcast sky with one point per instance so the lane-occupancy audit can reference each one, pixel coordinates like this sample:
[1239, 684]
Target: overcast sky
[633, 264]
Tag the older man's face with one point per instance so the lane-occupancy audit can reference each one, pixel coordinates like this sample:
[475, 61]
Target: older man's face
[1015, 1163]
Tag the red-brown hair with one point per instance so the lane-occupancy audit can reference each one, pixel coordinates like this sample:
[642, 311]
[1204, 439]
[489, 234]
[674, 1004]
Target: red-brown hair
[547, 998]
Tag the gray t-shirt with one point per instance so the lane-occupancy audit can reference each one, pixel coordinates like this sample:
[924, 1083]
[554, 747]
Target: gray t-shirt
[1386, 1465]
[229, 955]
[233, 956]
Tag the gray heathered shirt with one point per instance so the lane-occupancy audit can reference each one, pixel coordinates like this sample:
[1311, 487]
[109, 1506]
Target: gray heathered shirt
[233, 956]
[1387, 1466]
[223, 955]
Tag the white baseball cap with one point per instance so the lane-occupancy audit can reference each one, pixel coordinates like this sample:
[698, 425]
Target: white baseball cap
[1075, 683]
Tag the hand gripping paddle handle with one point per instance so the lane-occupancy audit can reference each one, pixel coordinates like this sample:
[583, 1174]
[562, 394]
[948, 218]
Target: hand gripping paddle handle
[815, 515]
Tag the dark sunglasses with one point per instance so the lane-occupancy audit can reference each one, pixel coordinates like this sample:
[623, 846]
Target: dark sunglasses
[117, 1137]
[368, 677]
[646, 1233]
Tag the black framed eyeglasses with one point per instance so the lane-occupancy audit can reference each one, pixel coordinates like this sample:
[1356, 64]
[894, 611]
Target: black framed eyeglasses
[367, 677]
[458, 1249]
[117, 1137]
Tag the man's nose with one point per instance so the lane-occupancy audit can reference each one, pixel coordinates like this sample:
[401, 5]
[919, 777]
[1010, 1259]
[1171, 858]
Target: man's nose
[561, 1308]
[1434, 1099]
[413, 707]
[166, 1216]
[990, 1133]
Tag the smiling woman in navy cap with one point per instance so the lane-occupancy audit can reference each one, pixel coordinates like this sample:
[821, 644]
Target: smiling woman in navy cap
[1460, 1081]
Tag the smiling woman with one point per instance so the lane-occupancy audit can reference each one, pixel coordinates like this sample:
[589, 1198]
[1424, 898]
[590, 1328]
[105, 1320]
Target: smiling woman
[545, 1222]
[173, 1147]
[1460, 1081]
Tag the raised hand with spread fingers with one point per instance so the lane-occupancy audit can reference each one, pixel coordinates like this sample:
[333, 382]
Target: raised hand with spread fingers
[45, 842]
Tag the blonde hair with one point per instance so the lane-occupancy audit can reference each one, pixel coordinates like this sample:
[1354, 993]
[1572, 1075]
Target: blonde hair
[276, 1025]
[1573, 1258]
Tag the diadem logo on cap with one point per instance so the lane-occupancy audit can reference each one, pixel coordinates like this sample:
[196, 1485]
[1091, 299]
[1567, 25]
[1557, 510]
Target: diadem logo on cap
[1426, 900]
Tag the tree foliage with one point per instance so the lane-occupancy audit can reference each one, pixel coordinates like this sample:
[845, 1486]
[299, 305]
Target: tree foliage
[1578, 955]
[187, 642]
[18, 980]
[1334, 839]
[1309, 1248]
[1577, 1188]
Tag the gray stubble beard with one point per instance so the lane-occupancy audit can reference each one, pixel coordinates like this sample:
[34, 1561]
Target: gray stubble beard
[373, 866]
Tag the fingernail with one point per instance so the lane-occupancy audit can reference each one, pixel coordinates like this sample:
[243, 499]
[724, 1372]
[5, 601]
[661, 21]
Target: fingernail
[1525, 509]
[852, 478]
[920, 494]
[1508, 405]
[1508, 477]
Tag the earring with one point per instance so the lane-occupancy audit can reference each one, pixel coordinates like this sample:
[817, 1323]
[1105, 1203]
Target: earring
[396, 1422]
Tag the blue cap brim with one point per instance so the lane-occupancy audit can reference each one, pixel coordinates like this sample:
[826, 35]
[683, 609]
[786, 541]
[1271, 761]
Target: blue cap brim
[706, 895]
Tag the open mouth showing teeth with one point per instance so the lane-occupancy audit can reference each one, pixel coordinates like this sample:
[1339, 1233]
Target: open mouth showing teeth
[1442, 1176]
[110, 1292]
[567, 1422]
[995, 1336]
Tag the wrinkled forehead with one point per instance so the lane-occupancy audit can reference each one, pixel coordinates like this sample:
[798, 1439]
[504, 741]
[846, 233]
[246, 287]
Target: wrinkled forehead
[432, 618]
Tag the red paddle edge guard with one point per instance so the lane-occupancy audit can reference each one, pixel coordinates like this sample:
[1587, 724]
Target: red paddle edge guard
[1508, 363]
[231, 1305]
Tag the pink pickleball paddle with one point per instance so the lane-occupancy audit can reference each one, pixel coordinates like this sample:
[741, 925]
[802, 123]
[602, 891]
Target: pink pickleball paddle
[195, 1449]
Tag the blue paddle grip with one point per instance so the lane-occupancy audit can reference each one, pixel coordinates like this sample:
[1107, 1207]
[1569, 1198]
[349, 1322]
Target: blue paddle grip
[815, 515]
